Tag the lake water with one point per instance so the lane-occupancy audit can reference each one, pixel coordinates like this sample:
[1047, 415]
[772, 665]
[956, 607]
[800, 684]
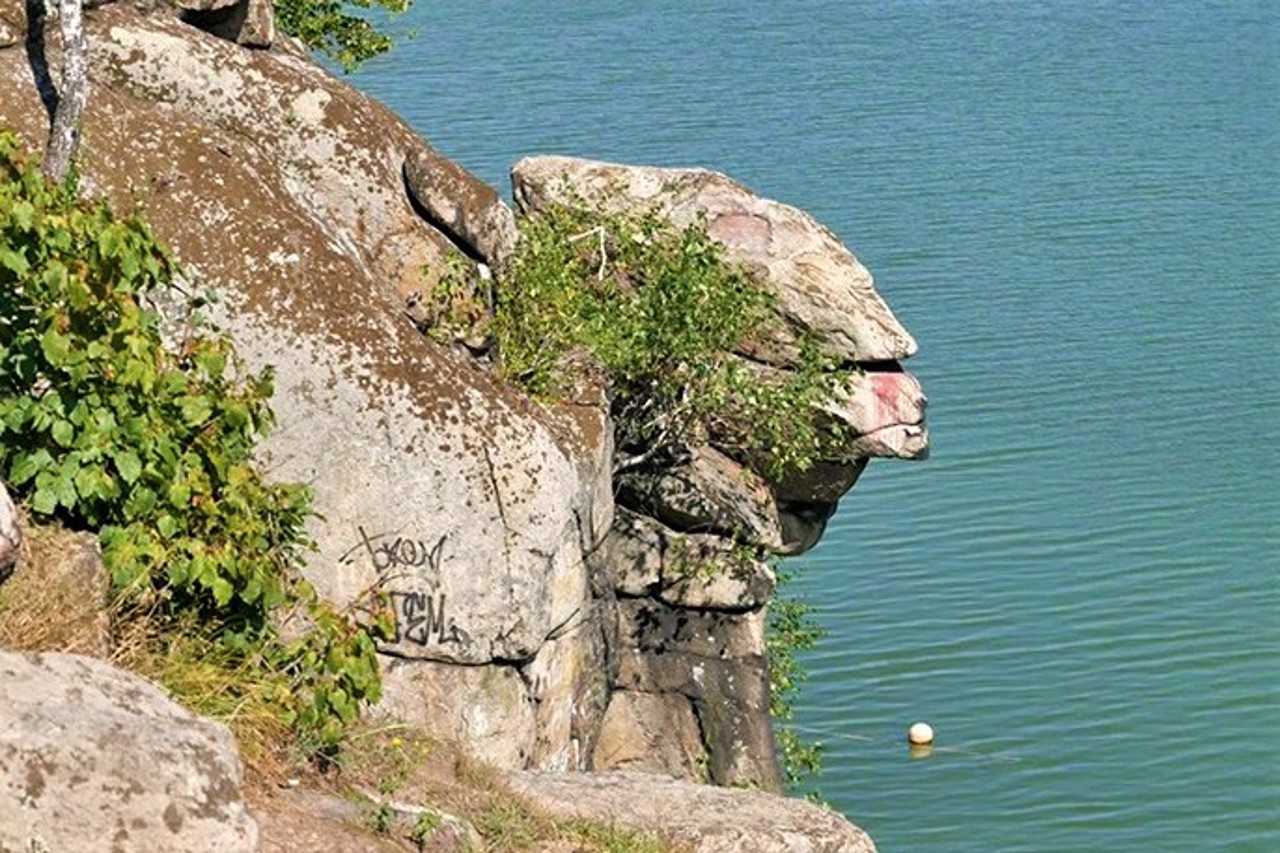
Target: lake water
[1075, 207]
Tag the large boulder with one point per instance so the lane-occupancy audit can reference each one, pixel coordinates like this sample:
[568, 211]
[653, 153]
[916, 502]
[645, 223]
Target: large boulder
[282, 190]
[93, 758]
[821, 287]
[699, 818]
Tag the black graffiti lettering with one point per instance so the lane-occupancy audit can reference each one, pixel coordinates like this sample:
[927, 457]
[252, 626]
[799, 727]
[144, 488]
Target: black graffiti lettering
[402, 552]
[420, 615]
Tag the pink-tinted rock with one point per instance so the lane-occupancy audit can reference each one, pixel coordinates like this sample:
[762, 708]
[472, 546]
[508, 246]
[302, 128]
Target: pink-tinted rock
[821, 287]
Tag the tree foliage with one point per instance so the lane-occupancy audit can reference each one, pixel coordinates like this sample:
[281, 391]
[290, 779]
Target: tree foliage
[342, 30]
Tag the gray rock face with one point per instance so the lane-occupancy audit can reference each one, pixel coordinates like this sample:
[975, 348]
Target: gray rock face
[93, 758]
[463, 207]
[654, 733]
[282, 189]
[717, 661]
[10, 534]
[701, 818]
[822, 288]
[250, 23]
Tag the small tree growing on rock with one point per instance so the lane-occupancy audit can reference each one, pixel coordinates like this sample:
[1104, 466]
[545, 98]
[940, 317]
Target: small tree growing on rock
[66, 103]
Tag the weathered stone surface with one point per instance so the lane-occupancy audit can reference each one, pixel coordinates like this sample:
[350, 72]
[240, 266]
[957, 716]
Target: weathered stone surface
[91, 757]
[702, 818]
[282, 190]
[461, 205]
[804, 523]
[487, 708]
[656, 733]
[569, 683]
[717, 660]
[823, 483]
[822, 288]
[644, 557]
[250, 23]
[707, 493]
[204, 5]
[305, 821]
[10, 534]
[10, 31]
[886, 411]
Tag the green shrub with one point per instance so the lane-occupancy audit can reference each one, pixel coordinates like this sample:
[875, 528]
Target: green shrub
[106, 425]
[790, 629]
[662, 312]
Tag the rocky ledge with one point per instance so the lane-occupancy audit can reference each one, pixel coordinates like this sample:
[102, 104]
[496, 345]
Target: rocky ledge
[539, 623]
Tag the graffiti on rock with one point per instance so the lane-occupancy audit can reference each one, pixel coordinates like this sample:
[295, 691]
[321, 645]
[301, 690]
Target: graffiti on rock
[420, 613]
[401, 552]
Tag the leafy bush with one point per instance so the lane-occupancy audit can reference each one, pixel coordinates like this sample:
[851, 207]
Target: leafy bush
[332, 29]
[662, 311]
[790, 630]
[105, 425]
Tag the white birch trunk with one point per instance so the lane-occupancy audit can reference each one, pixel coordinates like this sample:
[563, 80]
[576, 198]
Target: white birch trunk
[64, 138]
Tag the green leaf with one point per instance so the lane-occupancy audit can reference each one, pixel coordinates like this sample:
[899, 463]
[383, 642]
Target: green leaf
[66, 489]
[196, 410]
[55, 346]
[29, 465]
[63, 433]
[44, 501]
[129, 465]
[167, 525]
[222, 591]
[14, 261]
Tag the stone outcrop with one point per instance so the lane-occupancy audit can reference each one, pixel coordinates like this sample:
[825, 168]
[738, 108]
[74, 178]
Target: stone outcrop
[701, 819]
[716, 505]
[534, 623]
[822, 289]
[93, 758]
[10, 534]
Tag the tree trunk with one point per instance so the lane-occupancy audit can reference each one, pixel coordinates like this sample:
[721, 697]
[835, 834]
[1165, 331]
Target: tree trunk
[64, 137]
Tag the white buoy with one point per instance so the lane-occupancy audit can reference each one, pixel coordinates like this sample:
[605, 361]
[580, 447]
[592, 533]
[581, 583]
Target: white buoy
[920, 734]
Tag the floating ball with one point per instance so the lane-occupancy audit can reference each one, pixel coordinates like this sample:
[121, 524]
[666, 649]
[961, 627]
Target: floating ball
[920, 733]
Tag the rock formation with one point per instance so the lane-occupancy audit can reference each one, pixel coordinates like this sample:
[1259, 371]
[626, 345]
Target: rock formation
[701, 818]
[692, 667]
[10, 534]
[93, 758]
[536, 623]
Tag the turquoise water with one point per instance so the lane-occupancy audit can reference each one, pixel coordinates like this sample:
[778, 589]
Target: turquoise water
[1075, 207]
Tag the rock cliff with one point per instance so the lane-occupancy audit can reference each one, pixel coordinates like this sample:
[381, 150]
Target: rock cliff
[538, 622]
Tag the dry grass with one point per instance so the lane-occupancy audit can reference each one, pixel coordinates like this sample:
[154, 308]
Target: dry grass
[402, 763]
[208, 678]
[56, 599]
